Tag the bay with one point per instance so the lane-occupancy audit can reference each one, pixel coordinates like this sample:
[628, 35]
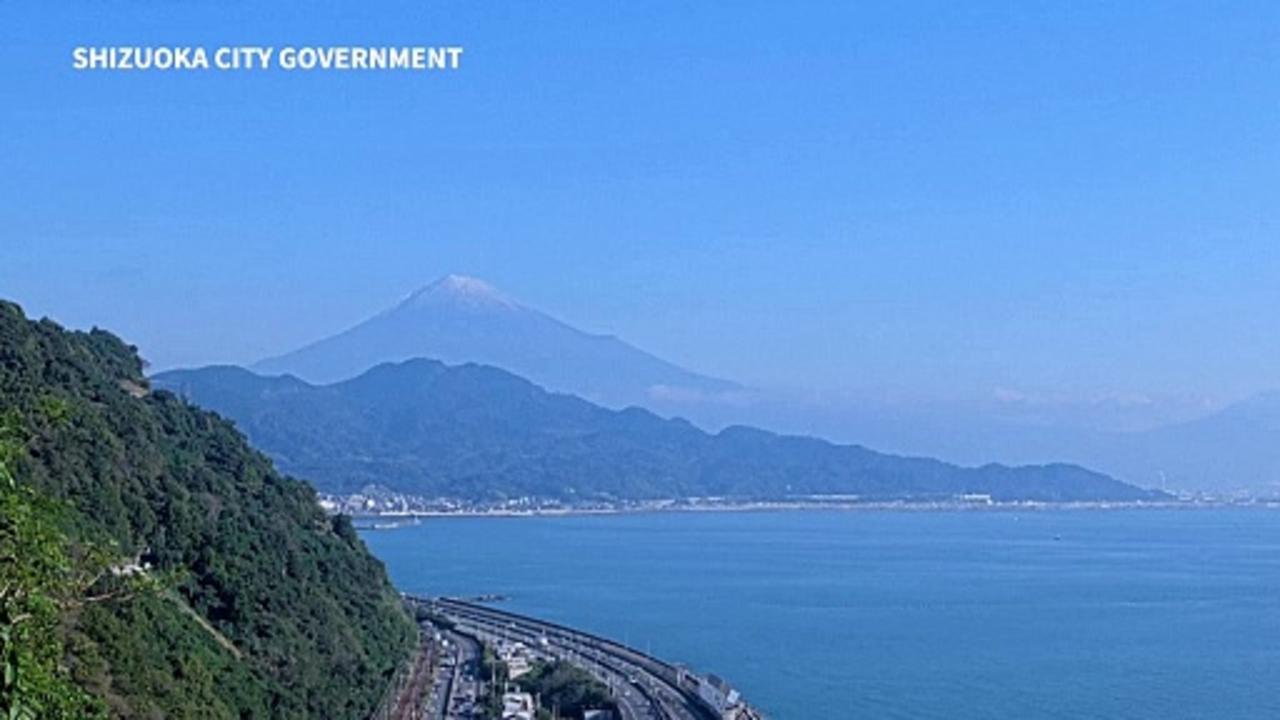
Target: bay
[1139, 614]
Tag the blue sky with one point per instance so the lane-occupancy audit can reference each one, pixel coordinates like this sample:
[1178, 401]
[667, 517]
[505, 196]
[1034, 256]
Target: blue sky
[1073, 203]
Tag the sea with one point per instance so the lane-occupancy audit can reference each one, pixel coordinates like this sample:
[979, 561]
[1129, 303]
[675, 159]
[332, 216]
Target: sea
[1137, 614]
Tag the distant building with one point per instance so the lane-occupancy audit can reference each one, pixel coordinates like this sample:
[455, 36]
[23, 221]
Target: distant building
[518, 659]
[518, 706]
[717, 693]
[517, 667]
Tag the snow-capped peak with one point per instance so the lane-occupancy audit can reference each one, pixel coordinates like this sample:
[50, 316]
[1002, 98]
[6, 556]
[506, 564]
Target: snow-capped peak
[459, 289]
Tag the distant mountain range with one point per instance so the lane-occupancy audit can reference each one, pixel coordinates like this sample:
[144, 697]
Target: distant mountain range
[473, 431]
[1235, 449]
[461, 319]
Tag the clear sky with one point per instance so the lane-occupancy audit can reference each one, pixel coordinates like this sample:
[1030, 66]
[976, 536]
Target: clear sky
[1063, 200]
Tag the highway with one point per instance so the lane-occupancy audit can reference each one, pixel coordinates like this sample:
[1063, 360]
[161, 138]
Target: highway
[457, 686]
[644, 687]
[632, 703]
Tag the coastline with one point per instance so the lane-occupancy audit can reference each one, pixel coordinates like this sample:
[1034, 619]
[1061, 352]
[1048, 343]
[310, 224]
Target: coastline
[400, 516]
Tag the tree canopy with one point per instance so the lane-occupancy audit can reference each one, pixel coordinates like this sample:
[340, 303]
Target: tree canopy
[266, 608]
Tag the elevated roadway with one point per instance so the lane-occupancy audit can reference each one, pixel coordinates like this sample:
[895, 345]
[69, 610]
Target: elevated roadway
[644, 687]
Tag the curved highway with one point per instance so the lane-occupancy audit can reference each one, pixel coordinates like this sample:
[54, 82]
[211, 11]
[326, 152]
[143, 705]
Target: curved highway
[644, 687]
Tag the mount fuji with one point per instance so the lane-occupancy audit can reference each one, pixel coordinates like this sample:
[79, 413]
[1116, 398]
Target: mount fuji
[459, 319]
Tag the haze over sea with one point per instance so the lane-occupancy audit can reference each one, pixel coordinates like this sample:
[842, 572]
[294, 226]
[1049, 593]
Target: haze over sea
[1138, 614]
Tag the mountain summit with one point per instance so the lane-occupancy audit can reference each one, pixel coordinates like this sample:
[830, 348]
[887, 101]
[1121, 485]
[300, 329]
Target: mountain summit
[459, 319]
[459, 290]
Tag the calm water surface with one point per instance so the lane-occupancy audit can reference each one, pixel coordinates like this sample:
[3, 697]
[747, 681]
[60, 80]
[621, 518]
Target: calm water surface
[1062, 614]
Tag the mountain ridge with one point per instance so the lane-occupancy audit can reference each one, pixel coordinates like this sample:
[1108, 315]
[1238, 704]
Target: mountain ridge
[424, 427]
[1233, 450]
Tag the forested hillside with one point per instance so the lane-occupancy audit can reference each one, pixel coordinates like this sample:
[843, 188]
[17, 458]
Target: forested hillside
[186, 576]
[473, 431]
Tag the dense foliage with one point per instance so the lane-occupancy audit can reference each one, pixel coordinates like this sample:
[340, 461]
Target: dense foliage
[567, 691]
[269, 608]
[39, 579]
[478, 432]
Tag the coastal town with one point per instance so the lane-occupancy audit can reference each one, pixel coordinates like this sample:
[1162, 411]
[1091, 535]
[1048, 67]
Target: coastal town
[381, 508]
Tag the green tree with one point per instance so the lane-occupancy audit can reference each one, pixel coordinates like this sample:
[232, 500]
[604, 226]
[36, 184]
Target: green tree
[40, 578]
[567, 689]
[256, 603]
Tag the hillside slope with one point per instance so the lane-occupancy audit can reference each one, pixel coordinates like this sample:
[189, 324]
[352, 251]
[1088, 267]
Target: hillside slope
[292, 617]
[473, 431]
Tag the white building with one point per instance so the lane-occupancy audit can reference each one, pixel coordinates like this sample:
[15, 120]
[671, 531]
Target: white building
[518, 706]
[517, 657]
[717, 693]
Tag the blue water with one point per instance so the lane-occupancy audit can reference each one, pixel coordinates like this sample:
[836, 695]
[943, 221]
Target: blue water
[1061, 614]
